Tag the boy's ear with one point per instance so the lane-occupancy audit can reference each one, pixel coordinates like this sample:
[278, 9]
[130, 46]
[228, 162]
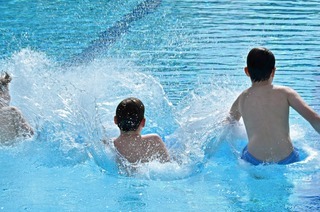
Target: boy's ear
[6, 79]
[246, 71]
[143, 122]
[115, 120]
[273, 71]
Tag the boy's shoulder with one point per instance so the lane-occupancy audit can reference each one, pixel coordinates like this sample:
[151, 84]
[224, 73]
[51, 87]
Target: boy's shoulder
[9, 110]
[278, 88]
[276, 91]
[284, 90]
[153, 140]
[152, 137]
[282, 87]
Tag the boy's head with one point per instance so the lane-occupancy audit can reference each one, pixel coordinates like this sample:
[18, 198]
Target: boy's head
[129, 114]
[260, 64]
[4, 90]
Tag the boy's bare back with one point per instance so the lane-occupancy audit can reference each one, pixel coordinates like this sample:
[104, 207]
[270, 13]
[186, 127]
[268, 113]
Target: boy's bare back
[141, 149]
[13, 125]
[265, 110]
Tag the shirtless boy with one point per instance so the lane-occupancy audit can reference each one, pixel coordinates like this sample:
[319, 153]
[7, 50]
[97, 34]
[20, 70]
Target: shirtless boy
[133, 146]
[12, 123]
[264, 108]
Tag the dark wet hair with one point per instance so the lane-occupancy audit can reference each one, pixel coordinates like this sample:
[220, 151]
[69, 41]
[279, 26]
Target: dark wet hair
[260, 63]
[5, 79]
[129, 114]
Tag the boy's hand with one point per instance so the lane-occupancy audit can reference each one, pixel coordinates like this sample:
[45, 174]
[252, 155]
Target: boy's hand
[6, 79]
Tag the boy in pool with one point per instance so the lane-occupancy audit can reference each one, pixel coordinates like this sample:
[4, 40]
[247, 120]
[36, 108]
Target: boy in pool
[131, 145]
[12, 123]
[264, 108]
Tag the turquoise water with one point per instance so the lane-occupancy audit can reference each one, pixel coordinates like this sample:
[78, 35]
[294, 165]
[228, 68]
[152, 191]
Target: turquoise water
[185, 60]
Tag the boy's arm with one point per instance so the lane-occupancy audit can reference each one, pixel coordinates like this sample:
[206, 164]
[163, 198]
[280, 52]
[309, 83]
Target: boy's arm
[234, 113]
[162, 150]
[22, 126]
[227, 128]
[105, 140]
[297, 103]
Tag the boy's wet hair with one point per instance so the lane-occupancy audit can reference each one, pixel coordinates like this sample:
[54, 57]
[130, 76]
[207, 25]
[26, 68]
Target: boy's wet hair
[260, 63]
[129, 114]
[5, 79]
[5, 98]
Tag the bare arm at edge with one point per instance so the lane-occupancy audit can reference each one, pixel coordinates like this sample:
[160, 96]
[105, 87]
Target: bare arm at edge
[234, 112]
[298, 104]
[161, 149]
[22, 126]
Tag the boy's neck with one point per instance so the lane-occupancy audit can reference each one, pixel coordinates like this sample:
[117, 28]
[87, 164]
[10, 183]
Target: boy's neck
[262, 83]
[135, 133]
[3, 102]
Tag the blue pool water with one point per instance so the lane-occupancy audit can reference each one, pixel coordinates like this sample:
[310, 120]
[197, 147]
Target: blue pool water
[73, 61]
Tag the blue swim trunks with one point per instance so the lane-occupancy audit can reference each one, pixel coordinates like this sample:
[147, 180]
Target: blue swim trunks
[293, 157]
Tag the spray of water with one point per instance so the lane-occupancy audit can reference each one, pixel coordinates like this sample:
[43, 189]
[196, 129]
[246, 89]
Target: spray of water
[72, 110]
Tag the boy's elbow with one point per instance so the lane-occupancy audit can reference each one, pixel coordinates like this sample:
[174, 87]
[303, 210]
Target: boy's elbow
[164, 154]
[315, 122]
[165, 158]
[233, 118]
[26, 130]
[29, 133]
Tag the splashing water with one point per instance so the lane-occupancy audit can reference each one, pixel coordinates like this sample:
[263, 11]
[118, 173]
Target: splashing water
[72, 114]
[71, 110]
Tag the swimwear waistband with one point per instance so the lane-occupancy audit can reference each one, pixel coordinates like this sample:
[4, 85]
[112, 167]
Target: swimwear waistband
[293, 157]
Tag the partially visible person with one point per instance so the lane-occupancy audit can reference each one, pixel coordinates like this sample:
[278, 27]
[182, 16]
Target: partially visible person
[264, 108]
[130, 144]
[12, 123]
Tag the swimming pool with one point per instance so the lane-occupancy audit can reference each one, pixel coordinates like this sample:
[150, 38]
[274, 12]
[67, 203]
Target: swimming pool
[185, 60]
